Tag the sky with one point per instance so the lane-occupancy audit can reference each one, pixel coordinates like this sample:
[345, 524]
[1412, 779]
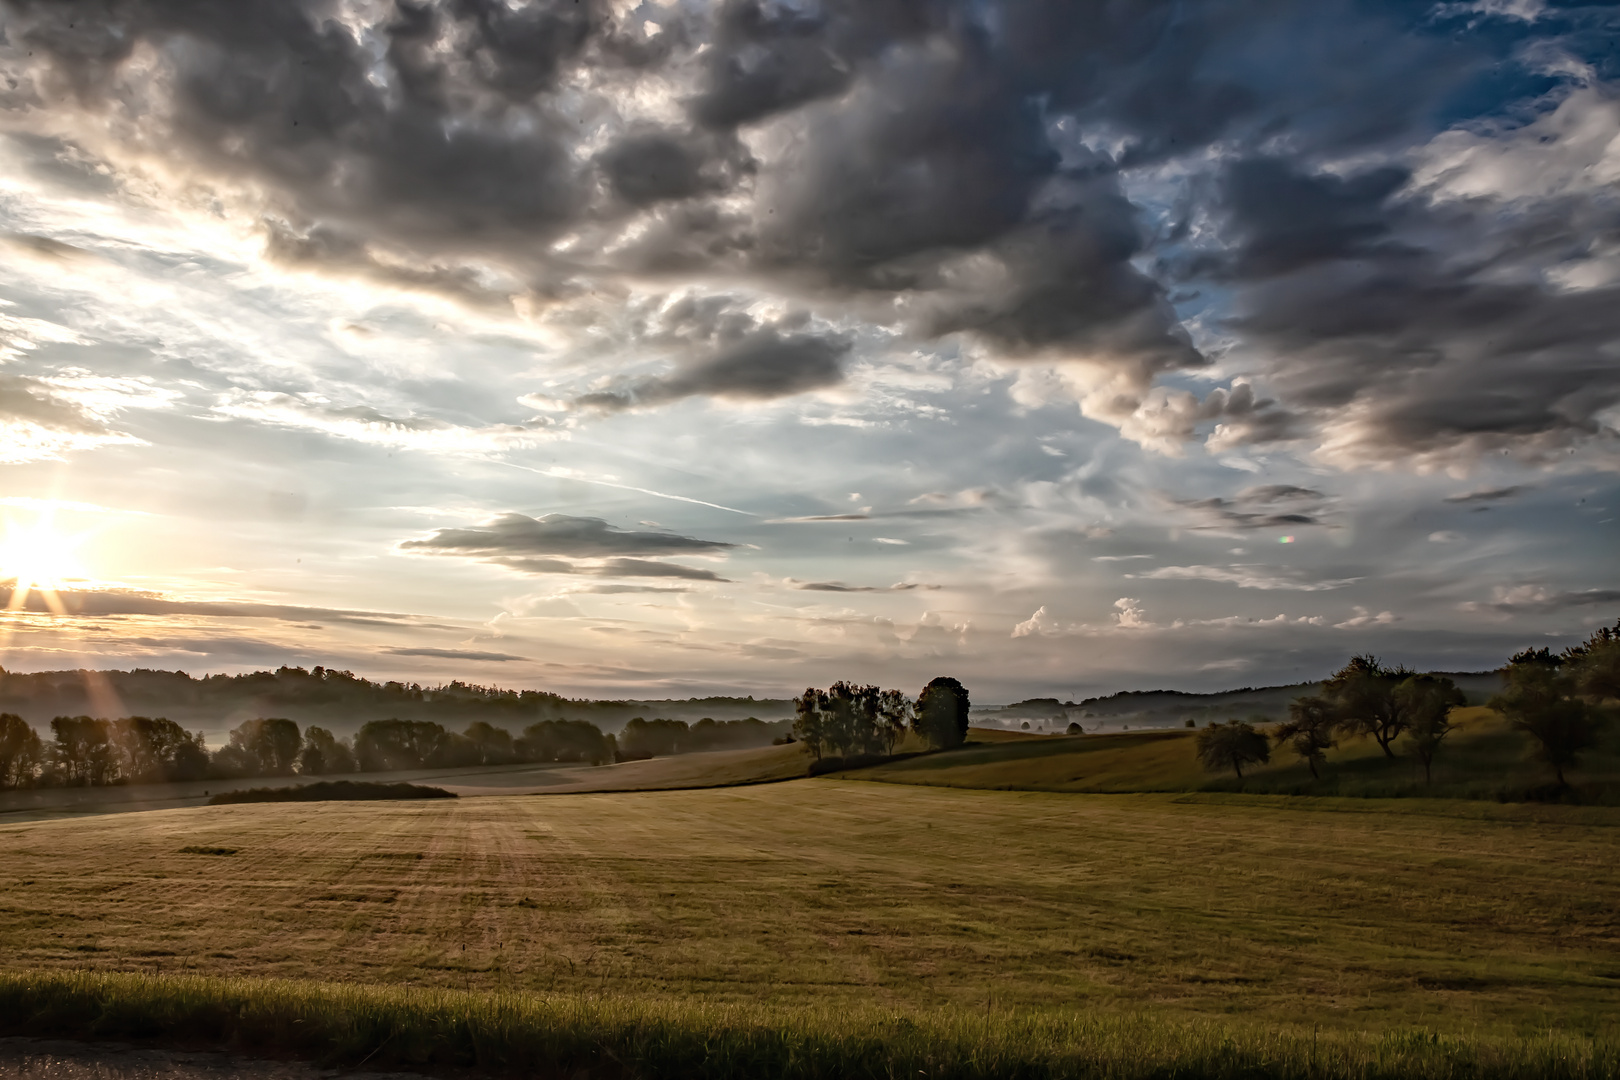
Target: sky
[657, 349]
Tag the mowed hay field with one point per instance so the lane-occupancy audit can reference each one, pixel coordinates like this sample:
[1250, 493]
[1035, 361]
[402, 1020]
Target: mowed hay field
[1452, 916]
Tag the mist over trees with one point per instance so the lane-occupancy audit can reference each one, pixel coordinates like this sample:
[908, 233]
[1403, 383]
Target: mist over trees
[339, 701]
[85, 751]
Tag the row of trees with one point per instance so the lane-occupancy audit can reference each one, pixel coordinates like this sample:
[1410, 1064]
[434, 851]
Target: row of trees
[88, 752]
[1556, 699]
[660, 738]
[848, 720]
[85, 751]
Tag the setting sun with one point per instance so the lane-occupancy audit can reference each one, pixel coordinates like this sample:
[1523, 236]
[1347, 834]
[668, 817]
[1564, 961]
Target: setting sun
[38, 556]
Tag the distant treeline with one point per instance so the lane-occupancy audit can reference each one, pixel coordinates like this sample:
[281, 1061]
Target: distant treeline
[84, 751]
[327, 697]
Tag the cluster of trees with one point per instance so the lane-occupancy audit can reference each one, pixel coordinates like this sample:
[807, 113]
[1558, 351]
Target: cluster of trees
[661, 738]
[384, 745]
[85, 751]
[1556, 699]
[848, 720]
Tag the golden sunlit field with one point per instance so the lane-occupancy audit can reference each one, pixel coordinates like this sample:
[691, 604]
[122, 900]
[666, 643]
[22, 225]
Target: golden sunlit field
[1451, 916]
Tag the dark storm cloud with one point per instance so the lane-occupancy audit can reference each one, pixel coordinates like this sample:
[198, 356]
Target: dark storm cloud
[1268, 506]
[1417, 326]
[762, 366]
[454, 654]
[561, 544]
[1529, 598]
[609, 568]
[937, 166]
[448, 134]
[562, 535]
[1487, 495]
[840, 587]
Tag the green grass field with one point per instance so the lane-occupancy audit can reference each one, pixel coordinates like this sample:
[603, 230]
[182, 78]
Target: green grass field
[1458, 917]
[1483, 759]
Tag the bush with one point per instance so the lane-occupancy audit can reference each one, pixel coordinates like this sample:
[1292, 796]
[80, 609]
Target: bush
[331, 791]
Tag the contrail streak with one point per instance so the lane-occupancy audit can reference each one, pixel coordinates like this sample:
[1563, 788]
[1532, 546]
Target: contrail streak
[623, 487]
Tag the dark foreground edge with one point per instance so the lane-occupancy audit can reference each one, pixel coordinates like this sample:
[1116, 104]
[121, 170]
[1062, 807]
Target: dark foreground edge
[567, 1036]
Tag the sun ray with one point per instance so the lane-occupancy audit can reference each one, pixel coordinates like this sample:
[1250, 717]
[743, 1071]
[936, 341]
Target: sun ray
[38, 559]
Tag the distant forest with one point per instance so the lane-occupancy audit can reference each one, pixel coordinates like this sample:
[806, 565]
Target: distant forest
[86, 751]
[339, 701]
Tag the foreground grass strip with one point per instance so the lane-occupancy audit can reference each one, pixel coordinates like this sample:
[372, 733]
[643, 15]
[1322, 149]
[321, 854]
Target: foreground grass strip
[561, 1036]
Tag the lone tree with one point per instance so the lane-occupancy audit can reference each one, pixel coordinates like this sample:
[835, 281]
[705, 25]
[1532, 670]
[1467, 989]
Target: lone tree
[1308, 731]
[942, 713]
[1232, 745]
[1426, 702]
[1539, 701]
[1363, 694]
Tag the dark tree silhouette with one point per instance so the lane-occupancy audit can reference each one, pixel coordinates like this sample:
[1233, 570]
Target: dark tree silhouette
[267, 747]
[1232, 745]
[894, 717]
[809, 726]
[1426, 701]
[653, 738]
[384, 745]
[1363, 693]
[22, 754]
[1308, 731]
[82, 751]
[324, 754]
[942, 713]
[493, 745]
[1539, 701]
[152, 751]
[565, 740]
[1595, 664]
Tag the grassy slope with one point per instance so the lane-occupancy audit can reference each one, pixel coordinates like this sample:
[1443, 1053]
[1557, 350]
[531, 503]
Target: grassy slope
[719, 768]
[872, 898]
[1483, 759]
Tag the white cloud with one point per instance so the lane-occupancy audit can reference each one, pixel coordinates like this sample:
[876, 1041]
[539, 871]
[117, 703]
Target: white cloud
[1363, 617]
[1244, 577]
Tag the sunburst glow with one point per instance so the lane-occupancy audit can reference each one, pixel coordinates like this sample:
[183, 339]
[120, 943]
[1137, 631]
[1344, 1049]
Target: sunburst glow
[38, 556]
